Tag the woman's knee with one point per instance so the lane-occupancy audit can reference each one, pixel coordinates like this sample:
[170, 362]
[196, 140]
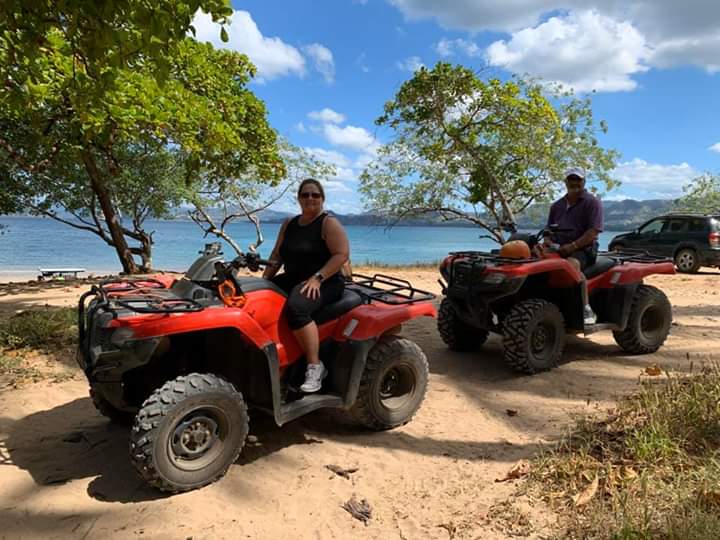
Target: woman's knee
[299, 309]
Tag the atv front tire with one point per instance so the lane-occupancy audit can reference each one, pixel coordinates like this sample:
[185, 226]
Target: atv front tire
[105, 408]
[533, 336]
[189, 432]
[393, 384]
[456, 334]
[649, 322]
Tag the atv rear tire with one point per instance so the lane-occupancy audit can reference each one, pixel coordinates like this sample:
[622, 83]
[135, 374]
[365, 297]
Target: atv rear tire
[393, 384]
[105, 408]
[649, 322]
[533, 336]
[687, 261]
[189, 432]
[456, 334]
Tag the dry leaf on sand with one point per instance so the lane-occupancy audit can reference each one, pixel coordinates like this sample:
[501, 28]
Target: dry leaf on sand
[520, 469]
[587, 494]
[653, 371]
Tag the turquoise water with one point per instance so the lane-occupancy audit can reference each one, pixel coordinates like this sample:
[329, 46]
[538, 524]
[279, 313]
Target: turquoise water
[28, 243]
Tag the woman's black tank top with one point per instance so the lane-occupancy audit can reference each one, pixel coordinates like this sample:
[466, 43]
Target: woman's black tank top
[303, 250]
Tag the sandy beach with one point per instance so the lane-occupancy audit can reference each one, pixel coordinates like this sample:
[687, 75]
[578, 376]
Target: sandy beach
[65, 472]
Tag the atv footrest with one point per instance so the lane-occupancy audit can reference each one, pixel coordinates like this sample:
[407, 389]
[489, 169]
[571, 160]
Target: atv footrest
[310, 402]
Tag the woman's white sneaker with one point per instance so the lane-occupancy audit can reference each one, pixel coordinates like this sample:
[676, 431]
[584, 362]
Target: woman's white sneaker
[314, 375]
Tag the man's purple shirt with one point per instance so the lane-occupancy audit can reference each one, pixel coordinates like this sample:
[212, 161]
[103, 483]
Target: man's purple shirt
[585, 214]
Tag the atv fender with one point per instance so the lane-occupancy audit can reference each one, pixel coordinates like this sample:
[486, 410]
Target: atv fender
[145, 327]
[370, 321]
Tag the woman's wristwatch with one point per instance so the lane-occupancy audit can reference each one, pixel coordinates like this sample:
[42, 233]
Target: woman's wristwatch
[319, 277]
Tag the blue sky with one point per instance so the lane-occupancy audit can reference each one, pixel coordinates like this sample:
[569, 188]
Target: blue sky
[326, 67]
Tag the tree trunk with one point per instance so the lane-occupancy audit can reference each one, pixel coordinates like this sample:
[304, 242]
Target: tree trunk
[111, 217]
[146, 252]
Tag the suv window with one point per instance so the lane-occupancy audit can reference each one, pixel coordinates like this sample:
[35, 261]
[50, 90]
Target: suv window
[653, 227]
[676, 225]
[698, 225]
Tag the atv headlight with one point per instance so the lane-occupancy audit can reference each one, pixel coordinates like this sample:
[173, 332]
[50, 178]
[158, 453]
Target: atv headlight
[493, 278]
[121, 336]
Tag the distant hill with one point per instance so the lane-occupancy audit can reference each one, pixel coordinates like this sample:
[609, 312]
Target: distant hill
[619, 216]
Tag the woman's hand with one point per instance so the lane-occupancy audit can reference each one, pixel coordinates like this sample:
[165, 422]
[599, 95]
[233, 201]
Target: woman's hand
[311, 288]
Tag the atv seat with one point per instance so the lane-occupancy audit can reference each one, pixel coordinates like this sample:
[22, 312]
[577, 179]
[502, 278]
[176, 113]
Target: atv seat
[602, 265]
[348, 301]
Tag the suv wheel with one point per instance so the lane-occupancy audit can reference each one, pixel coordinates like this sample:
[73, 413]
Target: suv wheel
[687, 261]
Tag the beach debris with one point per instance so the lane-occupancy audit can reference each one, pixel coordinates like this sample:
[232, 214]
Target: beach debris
[520, 469]
[511, 412]
[360, 510]
[341, 471]
[586, 495]
[653, 371]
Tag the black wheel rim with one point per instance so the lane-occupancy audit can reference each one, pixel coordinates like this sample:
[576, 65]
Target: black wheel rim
[197, 439]
[397, 387]
[685, 260]
[651, 323]
[542, 340]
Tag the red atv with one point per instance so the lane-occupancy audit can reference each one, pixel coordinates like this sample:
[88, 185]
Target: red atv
[533, 302]
[185, 358]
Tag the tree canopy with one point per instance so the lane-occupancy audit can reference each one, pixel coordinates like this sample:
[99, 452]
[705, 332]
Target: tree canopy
[701, 195]
[480, 150]
[106, 77]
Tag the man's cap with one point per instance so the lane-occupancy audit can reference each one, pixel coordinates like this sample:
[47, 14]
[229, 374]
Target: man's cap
[575, 171]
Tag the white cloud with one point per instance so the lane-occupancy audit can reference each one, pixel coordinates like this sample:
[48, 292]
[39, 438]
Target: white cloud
[715, 148]
[584, 51]
[323, 61]
[329, 156]
[702, 51]
[327, 116]
[411, 64]
[448, 47]
[355, 138]
[272, 56]
[654, 180]
[681, 33]
[300, 127]
[361, 62]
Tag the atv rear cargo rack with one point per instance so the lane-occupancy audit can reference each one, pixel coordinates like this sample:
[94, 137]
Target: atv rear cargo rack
[631, 255]
[387, 289]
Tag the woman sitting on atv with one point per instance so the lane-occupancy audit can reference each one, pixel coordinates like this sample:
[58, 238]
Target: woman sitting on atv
[312, 247]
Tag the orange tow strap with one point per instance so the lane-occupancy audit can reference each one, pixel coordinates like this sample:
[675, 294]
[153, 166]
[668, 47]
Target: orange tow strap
[228, 294]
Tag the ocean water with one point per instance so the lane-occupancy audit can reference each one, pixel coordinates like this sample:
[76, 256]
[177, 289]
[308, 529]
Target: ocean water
[28, 243]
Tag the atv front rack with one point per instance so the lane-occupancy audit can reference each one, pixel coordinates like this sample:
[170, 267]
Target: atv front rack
[487, 257]
[387, 289]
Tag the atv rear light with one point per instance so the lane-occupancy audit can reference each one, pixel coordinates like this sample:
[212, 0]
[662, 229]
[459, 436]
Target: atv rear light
[714, 239]
[122, 335]
[493, 278]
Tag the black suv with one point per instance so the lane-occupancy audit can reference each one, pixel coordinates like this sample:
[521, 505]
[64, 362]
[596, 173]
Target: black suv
[692, 240]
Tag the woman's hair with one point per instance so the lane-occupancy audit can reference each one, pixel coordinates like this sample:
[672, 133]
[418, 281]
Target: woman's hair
[315, 183]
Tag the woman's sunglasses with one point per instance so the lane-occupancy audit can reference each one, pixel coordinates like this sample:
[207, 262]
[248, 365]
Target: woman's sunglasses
[308, 194]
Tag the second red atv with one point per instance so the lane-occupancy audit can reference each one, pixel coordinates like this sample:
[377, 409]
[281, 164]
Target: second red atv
[533, 302]
[183, 359]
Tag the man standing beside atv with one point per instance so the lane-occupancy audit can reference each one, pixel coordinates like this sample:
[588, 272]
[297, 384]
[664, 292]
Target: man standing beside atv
[579, 217]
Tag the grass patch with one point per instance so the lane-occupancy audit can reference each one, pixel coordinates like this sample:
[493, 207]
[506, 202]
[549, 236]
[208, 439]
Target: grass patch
[14, 369]
[46, 329]
[650, 470]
